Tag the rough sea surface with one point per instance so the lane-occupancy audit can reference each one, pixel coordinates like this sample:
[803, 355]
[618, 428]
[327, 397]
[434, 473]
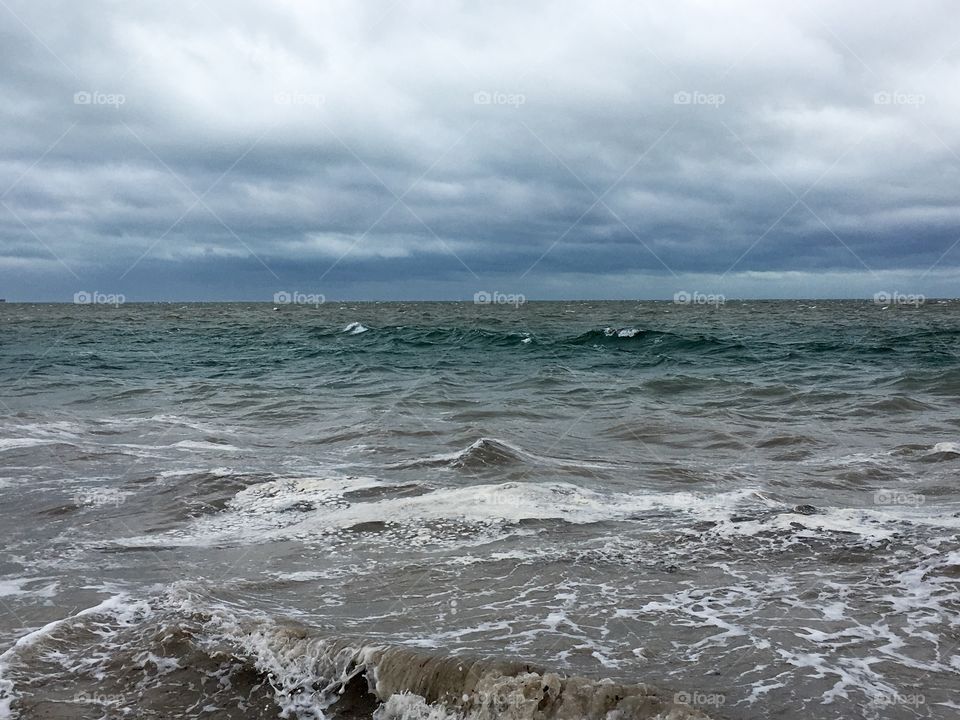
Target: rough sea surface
[238, 511]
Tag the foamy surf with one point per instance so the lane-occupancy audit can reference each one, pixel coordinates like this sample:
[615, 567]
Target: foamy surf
[423, 516]
[759, 503]
[176, 636]
[314, 507]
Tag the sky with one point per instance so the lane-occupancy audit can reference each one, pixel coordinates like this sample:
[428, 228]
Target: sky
[215, 150]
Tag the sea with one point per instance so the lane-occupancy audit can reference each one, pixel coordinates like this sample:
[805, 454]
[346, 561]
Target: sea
[470, 511]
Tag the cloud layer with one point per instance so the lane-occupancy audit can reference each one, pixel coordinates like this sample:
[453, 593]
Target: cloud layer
[424, 150]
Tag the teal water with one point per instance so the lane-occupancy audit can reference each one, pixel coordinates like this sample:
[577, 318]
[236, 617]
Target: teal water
[754, 504]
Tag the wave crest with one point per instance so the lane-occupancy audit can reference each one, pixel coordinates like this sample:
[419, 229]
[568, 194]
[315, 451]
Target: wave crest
[266, 666]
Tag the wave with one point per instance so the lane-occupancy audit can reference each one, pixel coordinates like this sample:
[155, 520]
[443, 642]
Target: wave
[427, 337]
[179, 651]
[491, 452]
[943, 382]
[942, 452]
[661, 340]
[370, 512]
[481, 453]
[355, 328]
[421, 516]
[610, 333]
[418, 337]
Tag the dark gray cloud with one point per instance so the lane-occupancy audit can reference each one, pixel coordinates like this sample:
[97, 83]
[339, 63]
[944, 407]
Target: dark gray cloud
[229, 150]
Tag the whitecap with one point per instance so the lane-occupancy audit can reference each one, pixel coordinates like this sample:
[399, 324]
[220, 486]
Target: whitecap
[623, 332]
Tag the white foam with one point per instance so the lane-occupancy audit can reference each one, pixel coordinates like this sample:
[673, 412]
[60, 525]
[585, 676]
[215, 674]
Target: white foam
[877, 523]
[124, 610]
[947, 447]
[853, 459]
[301, 576]
[204, 445]
[15, 443]
[355, 328]
[15, 586]
[406, 706]
[864, 523]
[54, 428]
[219, 471]
[171, 419]
[314, 507]
[623, 333]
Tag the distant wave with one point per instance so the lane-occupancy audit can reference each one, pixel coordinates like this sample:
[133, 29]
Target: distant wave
[355, 328]
[626, 337]
[490, 452]
[632, 337]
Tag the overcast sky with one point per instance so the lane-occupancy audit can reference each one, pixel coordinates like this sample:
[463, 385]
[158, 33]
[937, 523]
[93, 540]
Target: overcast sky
[231, 150]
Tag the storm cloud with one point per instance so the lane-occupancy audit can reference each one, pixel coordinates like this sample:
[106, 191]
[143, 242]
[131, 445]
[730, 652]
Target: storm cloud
[228, 150]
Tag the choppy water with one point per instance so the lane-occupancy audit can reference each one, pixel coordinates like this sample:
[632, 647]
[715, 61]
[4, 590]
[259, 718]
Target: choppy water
[232, 510]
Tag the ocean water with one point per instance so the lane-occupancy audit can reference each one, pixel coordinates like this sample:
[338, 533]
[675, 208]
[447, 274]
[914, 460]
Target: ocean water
[443, 510]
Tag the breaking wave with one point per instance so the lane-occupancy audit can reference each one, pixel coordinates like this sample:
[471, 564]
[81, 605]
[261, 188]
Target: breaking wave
[181, 653]
[491, 452]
